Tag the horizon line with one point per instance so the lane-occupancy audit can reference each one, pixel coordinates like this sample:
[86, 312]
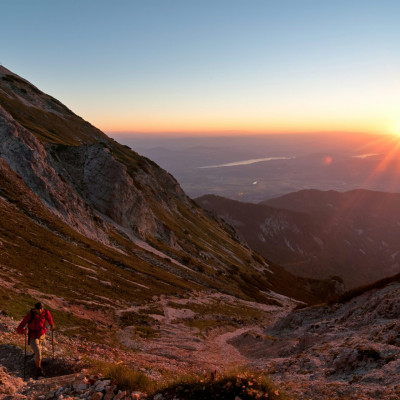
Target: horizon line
[224, 133]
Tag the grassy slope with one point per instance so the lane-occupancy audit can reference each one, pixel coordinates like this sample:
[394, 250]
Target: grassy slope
[60, 125]
[40, 253]
[232, 384]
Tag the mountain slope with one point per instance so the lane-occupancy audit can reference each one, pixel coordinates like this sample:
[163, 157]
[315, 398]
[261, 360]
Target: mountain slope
[359, 230]
[280, 235]
[320, 234]
[91, 228]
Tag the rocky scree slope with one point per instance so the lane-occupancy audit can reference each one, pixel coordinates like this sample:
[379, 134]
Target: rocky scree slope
[349, 349]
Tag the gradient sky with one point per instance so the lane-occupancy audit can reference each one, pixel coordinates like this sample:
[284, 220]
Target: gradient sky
[212, 66]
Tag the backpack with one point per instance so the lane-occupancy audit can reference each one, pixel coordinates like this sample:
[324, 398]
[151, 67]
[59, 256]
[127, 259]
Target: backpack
[31, 320]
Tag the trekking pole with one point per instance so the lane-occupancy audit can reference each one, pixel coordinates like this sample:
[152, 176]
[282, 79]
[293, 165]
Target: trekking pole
[25, 357]
[52, 341]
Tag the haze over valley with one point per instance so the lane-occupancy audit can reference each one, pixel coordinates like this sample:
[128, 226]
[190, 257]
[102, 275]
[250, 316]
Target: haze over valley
[256, 168]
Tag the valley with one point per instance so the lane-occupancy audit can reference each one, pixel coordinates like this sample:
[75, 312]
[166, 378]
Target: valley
[286, 163]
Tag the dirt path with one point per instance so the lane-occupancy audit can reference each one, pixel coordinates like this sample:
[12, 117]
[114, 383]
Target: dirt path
[222, 352]
[181, 347]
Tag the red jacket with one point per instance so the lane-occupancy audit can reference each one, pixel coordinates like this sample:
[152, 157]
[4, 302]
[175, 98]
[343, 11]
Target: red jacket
[37, 327]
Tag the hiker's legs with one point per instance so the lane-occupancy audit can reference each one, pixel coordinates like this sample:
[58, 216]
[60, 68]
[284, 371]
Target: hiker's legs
[36, 345]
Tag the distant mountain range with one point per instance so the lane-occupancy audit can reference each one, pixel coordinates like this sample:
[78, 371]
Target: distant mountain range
[353, 235]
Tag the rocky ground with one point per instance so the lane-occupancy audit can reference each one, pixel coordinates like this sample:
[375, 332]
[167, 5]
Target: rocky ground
[177, 348]
[343, 351]
[348, 350]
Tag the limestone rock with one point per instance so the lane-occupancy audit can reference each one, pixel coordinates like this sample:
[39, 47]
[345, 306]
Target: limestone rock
[28, 157]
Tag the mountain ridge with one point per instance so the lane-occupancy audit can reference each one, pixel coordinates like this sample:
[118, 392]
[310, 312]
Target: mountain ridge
[321, 233]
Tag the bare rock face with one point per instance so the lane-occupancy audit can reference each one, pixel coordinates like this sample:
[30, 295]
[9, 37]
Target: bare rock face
[27, 156]
[70, 165]
[105, 185]
[87, 187]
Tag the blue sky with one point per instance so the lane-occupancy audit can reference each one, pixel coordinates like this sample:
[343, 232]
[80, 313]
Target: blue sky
[210, 66]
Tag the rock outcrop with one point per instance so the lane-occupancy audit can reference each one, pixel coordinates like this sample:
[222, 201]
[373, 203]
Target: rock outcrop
[28, 157]
[105, 185]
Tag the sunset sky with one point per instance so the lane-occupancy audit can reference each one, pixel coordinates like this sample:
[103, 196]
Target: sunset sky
[249, 66]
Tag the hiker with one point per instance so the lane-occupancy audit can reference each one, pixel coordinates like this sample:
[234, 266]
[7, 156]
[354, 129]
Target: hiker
[35, 321]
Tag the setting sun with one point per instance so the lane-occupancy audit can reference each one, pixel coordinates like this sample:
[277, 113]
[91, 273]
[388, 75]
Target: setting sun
[395, 129]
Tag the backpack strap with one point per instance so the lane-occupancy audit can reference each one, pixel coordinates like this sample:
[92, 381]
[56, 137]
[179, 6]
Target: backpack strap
[32, 317]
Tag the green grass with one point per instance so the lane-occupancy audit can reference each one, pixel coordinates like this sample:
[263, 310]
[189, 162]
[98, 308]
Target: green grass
[48, 126]
[242, 382]
[218, 308]
[147, 332]
[145, 326]
[16, 305]
[205, 325]
[71, 325]
[152, 310]
[126, 378]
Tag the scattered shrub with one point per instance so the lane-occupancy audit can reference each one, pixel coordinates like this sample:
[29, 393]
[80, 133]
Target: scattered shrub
[126, 378]
[227, 385]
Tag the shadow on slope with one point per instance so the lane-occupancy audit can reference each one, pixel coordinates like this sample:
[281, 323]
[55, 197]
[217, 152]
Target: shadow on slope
[12, 357]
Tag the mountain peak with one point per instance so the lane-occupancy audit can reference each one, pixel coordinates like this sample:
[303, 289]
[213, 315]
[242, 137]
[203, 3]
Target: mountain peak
[43, 115]
[5, 71]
